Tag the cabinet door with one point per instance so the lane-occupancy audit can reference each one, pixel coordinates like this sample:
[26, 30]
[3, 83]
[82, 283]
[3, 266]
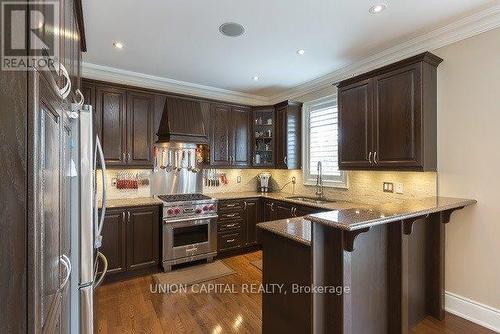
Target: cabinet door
[111, 123]
[50, 190]
[397, 117]
[355, 125]
[140, 113]
[113, 240]
[252, 219]
[283, 210]
[221, 133]
[143, 237]
[288, 136]
[269, 211]
[240, 154]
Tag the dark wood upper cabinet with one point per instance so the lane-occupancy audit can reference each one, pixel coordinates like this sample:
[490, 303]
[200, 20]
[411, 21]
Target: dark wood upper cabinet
[111, 123]
[388, 119]
[355, 125]
[397, 117]
[229, 135]
[240, 136]
[288, 135]
[220, 135]
[140, 113]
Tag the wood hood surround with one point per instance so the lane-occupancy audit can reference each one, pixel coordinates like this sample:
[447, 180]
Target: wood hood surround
[182, 121]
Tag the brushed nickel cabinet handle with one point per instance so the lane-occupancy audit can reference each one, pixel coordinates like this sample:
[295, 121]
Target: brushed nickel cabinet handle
[230, 215]
[245, 206]
[123, 216]
[375, 158]
[128, 216]
[128, 157]
[230, 205]
[231, 225]
[285, 161]
[370, 157]
[124, 157]
[272, 206]
[230, 240]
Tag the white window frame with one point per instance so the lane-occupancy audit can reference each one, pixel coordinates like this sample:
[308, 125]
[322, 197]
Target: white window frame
[309, 179]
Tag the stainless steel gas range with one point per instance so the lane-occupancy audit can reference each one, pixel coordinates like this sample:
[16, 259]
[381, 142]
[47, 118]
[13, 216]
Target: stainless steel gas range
[189, 228]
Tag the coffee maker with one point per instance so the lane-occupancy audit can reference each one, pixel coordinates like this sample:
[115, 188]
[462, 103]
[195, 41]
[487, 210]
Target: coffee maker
[264, 182]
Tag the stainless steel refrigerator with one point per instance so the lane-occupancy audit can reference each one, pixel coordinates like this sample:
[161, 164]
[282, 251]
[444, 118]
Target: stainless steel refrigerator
[89, 264]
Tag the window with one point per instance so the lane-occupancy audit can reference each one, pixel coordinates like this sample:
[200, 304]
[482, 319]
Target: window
[321, 142]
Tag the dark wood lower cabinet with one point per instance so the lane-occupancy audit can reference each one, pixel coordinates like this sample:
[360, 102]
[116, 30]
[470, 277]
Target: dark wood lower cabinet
[237, 221]
[131, 240]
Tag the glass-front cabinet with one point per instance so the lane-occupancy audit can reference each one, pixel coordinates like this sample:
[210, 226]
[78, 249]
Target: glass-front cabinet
[263, 137]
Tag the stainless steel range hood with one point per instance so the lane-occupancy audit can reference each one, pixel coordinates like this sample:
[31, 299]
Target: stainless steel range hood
[182, 121]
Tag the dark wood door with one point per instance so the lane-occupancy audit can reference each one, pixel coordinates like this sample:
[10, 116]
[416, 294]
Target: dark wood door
[140, 114]
[288, 135]
[253, 217]
[143, 237]
[111, 123]
[397, 117]
[240, 155]
[221, 133]
[113, 240]
[281, 138]
[283, 210]
[269, 211]
[49, 181]
[355, 125]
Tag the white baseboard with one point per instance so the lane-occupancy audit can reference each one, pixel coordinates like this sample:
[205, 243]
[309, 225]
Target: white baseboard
[478, 313]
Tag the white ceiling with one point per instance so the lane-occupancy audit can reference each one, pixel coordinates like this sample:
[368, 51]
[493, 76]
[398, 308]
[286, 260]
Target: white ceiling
[179, 39]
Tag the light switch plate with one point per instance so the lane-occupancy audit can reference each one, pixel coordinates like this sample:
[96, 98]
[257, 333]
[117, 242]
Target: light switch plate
[388, 187]
[399, 188]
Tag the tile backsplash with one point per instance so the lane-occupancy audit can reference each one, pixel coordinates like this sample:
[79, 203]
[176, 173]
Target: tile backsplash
[363, 187]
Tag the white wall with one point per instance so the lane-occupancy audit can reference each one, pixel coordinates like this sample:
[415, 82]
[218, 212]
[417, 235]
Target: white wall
[468, 165]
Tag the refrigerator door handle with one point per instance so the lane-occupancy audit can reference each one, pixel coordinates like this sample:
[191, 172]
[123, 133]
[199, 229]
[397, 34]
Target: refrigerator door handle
[67, 264]
[98, 282]
[99, 222]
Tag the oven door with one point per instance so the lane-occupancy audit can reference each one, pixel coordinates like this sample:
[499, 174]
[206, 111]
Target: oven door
[188, 238]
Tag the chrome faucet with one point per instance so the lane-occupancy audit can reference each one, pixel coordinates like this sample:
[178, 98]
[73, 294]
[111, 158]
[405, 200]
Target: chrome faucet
[319, 181]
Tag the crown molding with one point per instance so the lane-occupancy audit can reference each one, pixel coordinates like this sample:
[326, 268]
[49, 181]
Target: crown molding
[116, 75]
[479, 22]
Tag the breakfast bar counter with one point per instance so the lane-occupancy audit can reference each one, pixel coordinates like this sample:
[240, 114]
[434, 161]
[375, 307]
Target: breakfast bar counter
[387, 259]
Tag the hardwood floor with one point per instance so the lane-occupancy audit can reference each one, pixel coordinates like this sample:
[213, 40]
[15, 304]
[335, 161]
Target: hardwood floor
[130, 307]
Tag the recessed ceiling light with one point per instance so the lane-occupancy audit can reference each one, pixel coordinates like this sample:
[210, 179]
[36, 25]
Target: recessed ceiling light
[301, 51]
[378, 8]
[231, 29]
[118, 45]
[255, 78]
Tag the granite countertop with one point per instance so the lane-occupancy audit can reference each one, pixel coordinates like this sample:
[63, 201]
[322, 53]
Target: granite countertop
[357, 218]
[298, 229]
[128, 202]
[336, 205]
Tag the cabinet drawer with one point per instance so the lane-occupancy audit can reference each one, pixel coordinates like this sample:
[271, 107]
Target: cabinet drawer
[230, 216]
[229, 225]
[229, 241]
[225, 206]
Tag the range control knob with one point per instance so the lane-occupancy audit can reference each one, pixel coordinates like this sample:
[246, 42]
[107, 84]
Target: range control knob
[211, 207]
[177, 211]
[170, 211]
[198, 211]
[205, 208]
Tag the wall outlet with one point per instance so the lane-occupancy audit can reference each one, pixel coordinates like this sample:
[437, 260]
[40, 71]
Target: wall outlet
[238, 179]
[388, 187]
[399, 187]
[113, 182]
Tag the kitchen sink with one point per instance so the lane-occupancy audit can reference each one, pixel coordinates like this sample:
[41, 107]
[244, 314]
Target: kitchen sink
[311, 199]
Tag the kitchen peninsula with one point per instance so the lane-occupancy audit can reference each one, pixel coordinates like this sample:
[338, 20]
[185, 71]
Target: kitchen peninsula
[390, 257]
